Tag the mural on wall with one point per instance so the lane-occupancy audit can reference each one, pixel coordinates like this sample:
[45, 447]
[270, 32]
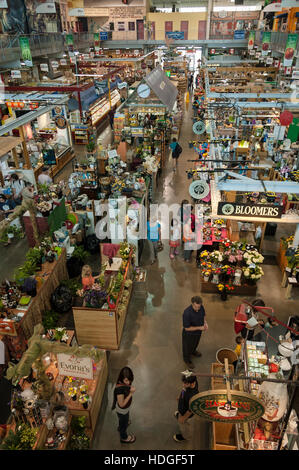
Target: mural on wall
[223, 24]
[20, 17]
[42, 22]
[13, 18]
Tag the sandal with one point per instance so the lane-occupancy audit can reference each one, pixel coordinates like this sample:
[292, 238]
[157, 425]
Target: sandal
[130, 439]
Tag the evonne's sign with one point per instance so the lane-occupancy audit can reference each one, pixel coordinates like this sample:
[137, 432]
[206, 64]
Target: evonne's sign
[212, 405]
[74, 366]
[249, 210]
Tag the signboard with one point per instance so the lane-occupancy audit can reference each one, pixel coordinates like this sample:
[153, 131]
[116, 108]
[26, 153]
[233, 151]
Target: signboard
[76, 12]
[290, 49]
[278, 132]
[15, 73]
[47, 7]
[74, 366]
[44, 67]
[239, 34]
[266, 43]
[54, 64]
[251, 39]
[276, 63]
[257, 54]
[63, 62]
[251, 52]
[295, 74]
[249, 210]
[231, 51]
[104, 35]
[25, 51]
[175, 34]
[60, 122]
[212, 405]
[122, 85]
[269, 60]
[49, 157]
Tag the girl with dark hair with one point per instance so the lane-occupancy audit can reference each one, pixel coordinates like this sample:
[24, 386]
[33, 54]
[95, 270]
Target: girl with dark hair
[122, 400]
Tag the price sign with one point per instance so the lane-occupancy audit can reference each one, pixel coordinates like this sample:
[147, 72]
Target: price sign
[15, 73]
[63, 62]
[44, 67]
[54, 64]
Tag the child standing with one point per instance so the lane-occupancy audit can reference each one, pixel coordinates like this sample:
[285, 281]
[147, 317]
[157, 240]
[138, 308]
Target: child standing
[175, 238]
[238, 349]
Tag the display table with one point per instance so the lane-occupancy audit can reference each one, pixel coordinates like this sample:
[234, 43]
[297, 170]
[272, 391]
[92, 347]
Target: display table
[211, 288]
[289, 282]
[103, 327]
[52, 274]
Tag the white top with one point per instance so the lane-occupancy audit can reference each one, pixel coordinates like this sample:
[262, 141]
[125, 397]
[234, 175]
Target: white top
[44, 179]
[175, 234]
[18, 186]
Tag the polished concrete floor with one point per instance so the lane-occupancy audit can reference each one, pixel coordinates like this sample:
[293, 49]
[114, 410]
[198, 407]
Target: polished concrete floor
[151, 343]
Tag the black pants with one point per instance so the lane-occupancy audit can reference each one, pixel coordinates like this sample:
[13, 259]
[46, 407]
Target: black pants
[190, 343]
[123, 422]
[249, 334]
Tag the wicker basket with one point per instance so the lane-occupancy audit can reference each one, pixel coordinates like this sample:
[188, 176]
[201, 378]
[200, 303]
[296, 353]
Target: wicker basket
[226, 353]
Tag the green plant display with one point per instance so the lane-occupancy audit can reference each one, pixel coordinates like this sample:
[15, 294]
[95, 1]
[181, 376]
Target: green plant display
[43, 188]
[73, 284]
[50, 319]
[23, 439]
[80, 253]
[79, 440]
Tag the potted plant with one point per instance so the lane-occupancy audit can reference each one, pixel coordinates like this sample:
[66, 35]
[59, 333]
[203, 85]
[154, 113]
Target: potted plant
[90, 147]
[79, 439]
[29, 286]
[60, 334]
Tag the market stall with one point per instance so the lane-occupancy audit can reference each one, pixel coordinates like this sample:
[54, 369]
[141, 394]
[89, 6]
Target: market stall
[100, 321]
[57, 382]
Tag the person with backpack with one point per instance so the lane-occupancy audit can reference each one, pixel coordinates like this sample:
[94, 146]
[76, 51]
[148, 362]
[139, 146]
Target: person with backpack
[176, 152]
[122, 400]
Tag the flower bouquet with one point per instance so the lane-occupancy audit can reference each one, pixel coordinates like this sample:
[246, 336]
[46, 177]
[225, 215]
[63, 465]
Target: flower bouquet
[225, 244]
[216, 256]
[223, 289]
[206, 265]
[205, 255]
[207, 234]
[219, 223]
[60, 334]
[206, 274]
[124, 250]
[216, 272]
[253, 257]
[217, 234]
[95, 297]
[72, 392]
[252, 274]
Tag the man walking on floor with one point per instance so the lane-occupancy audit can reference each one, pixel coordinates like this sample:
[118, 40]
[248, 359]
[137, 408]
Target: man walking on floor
[194, 323]
[184, 415]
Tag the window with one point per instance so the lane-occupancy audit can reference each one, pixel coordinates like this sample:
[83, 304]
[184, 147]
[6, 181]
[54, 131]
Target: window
[121, 26]
[131, 26]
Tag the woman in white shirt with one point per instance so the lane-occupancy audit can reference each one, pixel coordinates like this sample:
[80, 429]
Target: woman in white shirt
[17, 186]
[175, 238]
[44, 178]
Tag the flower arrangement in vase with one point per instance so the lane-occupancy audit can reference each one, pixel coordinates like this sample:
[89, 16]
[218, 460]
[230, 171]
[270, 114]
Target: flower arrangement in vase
[72, 392]
[223, 289]
[216, 272]
[206, 274]
[252, 274]
[216, 256]
[60, 334]
[205, 255]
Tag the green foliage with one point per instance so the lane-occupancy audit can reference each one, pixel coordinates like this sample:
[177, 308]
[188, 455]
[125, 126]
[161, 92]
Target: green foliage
[50, 319]
[34, 255]
[23, 439]
[80, 253]
[90, 147]
[73, 284]
[43, 188]
[28, 269]
[79, 440]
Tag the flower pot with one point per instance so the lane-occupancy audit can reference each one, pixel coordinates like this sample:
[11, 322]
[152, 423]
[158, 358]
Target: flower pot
[85, 405]
[206, 278]
[223, 295]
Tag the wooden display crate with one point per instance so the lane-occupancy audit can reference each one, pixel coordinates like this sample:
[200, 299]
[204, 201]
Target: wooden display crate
[224, 436]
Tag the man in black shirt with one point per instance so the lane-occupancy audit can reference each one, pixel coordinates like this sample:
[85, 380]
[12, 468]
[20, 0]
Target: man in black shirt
[184, 415]
[193, 324]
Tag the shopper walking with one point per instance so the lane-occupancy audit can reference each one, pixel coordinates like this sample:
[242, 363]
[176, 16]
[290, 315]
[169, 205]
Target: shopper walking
[188, 234]
[194, 323]
[184, 415]
[175, 238]
[153, 236]
[176, 152]
[44, 177]
[122, 400]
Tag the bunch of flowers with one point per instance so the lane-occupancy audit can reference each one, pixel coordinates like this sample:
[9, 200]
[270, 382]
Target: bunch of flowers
[253, 257]
[95, 297]
[205, 255]
[232, 258]
[205, 265]
[217, 256]
[226, 243]
[219, 222]
[253, 273]
[83, 388]
[124, 250]
[225, 287]
[83, 398]
[206, 272]
[60, 334]
[217, 234]
[287, 242]
[72, 392]
[229, 270]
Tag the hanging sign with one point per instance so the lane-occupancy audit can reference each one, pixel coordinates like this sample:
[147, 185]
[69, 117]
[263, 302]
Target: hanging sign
[15, 73]
[269, 60]
[231, 51]
[25, 51]
[212, 51]
[76, 12]
[74, 366]
[251, 40]
[288, 70]
[266, 43]
[212, 405]
[63, 62]
[47, 7]
[60, 122]
[290, 49]
[251, 52]
[44, 67]
[276, 63]
[70, 43]
[96, 38]
[295, 74]
[54, 64]
[249, 210]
